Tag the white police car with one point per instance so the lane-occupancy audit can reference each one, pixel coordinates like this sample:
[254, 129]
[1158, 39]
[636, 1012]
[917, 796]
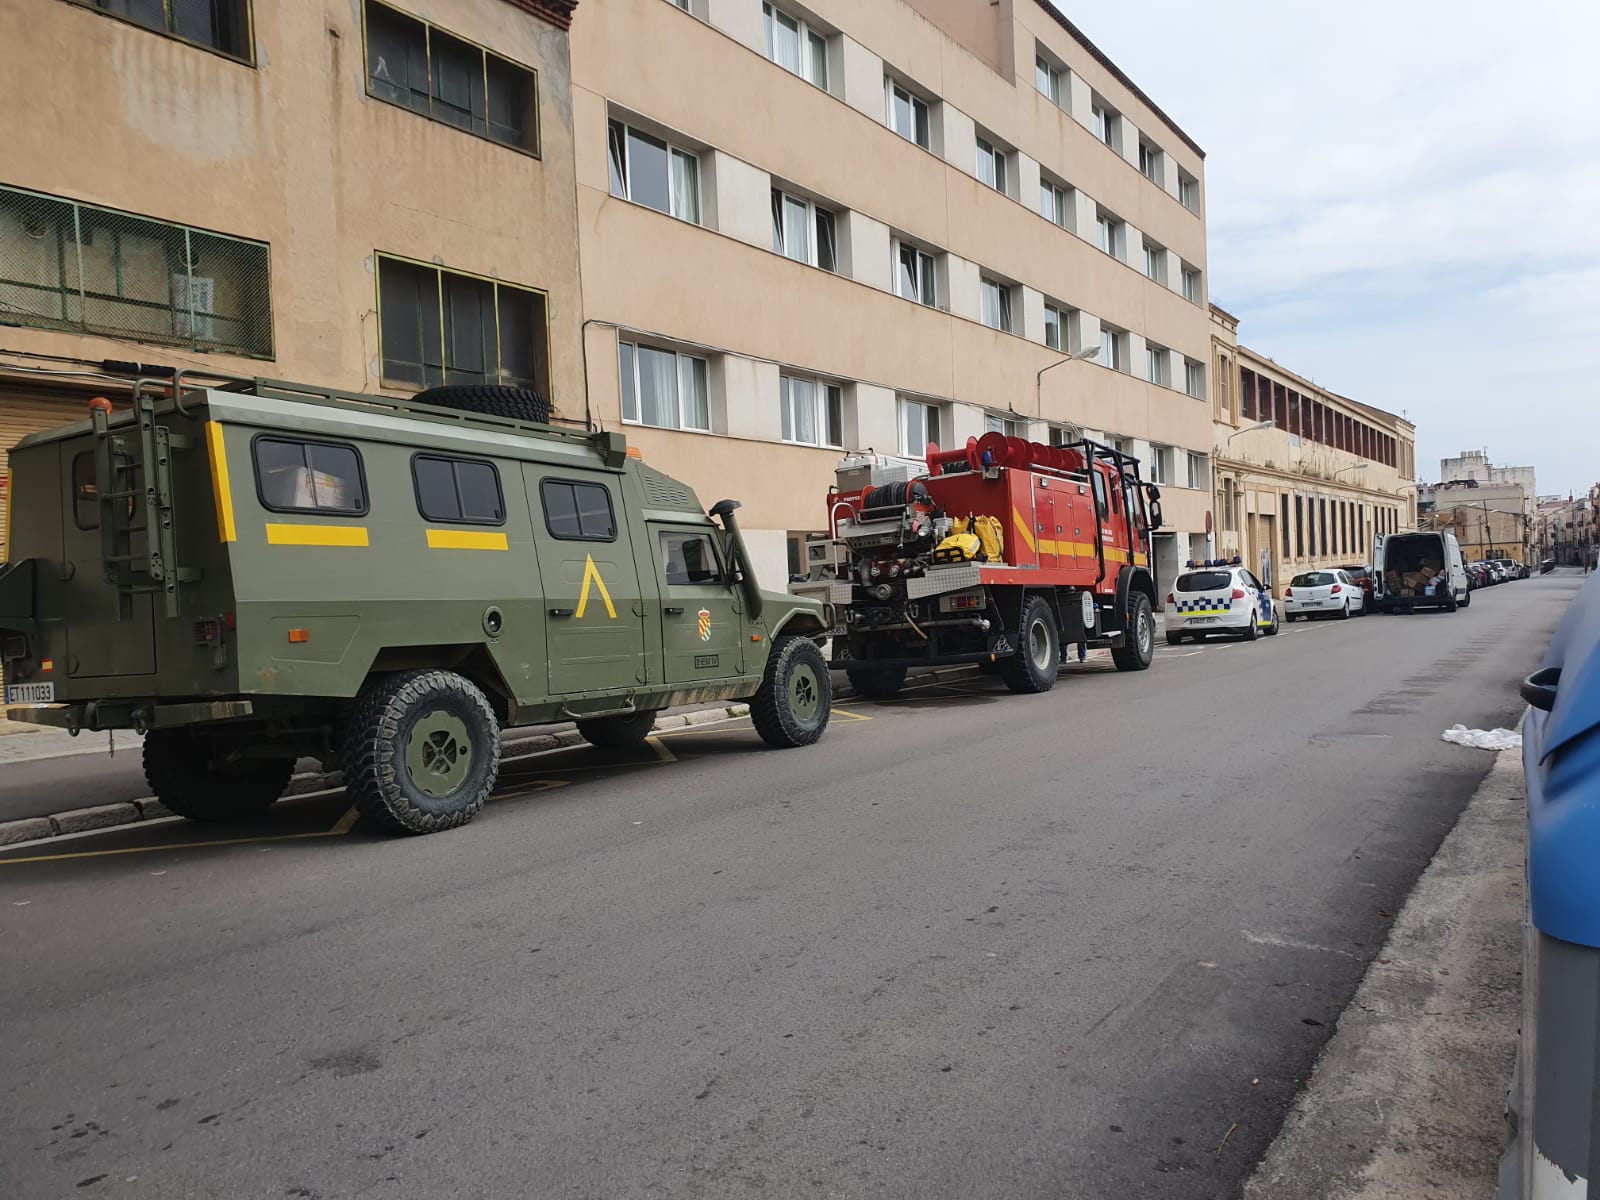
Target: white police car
[1219, 596]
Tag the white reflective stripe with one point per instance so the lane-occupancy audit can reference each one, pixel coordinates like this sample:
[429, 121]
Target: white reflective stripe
[1550, 1182]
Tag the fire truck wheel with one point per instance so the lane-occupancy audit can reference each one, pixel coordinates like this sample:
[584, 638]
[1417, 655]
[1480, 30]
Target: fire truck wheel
[1033, 668]
[877, 685]
[1139, 646]
[422, 751]
[186, 775]
[796, 695]
[619, 733]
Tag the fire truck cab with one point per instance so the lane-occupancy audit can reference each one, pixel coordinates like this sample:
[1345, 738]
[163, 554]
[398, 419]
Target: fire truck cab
[1002, 552]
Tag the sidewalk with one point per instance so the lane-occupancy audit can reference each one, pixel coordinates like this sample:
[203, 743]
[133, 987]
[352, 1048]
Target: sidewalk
[22, 742]
[1409, 1096]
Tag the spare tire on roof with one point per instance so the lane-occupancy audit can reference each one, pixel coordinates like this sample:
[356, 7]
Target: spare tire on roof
[490, 399]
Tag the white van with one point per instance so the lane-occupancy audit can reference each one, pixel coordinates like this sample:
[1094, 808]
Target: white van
[1418, 570]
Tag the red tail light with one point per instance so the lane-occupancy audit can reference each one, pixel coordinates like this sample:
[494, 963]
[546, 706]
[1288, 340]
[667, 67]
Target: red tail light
[1335, 589]
[1287, 592]
[1238, 593]
[1170, 600]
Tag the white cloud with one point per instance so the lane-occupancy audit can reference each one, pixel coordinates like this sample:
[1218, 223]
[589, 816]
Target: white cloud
[1403, 202]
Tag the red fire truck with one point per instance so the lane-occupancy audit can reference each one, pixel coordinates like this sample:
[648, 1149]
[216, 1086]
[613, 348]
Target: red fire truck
[1003, 553]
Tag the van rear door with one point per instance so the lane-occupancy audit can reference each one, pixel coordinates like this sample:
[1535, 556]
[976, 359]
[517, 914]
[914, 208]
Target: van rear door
[108, 633]
[1379, 567]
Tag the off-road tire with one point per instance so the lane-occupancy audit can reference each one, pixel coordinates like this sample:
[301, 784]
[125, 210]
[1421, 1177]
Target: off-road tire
[1253, 630]
[780, 710]
[1138, 645]
[619, 733]
[877, 685]
[1174, 639]
[489, 399]
[181, 773]
[1032, 669]
[383, 734]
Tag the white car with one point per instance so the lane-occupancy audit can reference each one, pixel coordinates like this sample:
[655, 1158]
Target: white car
[1323, 594]
[1219, 597]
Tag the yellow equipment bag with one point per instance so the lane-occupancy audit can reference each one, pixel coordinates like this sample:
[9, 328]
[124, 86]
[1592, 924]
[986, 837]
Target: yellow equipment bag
[971, 538]
[990, 533]
[958, 547]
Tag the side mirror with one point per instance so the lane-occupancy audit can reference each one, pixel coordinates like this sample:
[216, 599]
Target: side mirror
[1155, 514]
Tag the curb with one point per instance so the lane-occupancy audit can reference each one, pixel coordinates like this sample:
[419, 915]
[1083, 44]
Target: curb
[109, 816]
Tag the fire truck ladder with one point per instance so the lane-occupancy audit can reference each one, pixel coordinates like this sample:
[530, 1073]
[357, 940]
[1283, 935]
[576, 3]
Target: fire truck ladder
[132, 464]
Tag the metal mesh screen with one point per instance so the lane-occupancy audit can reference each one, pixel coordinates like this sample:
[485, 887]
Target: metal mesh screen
[65, 265]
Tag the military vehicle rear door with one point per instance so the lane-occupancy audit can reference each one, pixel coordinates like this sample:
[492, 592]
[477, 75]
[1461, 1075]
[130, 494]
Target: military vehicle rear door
[701, 619]
[594, 611]
[106, 634]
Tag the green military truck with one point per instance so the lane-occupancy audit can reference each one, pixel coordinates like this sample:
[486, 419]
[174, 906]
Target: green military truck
[250, 572]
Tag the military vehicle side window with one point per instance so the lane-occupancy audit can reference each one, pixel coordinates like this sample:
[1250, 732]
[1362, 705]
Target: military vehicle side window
[689, 558]
[578, 512]
[458, 489]
[303, 476]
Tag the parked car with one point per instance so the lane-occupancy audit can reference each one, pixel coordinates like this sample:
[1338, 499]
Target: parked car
[1323, 594]
[1219, 597]
[1423, 569]
[1555, 1125]
[1478, 576]
[1362, 574]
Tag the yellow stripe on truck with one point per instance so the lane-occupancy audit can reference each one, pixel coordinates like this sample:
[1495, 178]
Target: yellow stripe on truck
[1024, 530]
[465, 539]
[219, 482]
[316, 535]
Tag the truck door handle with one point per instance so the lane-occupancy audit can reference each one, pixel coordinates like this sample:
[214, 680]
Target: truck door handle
[561, 612]
[673, 612]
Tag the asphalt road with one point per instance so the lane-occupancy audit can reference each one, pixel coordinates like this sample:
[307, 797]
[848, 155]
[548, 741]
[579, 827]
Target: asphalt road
[1085, 944]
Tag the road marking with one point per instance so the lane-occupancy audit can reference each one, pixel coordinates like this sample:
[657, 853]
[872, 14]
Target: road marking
[345, 823]
[854, 716]
[279, 837]
[666, 756]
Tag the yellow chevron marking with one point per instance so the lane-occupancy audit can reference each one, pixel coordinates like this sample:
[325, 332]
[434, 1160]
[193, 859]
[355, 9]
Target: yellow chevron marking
[591, 575]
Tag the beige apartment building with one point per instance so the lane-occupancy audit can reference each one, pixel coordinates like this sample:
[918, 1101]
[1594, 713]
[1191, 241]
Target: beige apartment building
[1305, 477]
[813, 227]
[346, 195]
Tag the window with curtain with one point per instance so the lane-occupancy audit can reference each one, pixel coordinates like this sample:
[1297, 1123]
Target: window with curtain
[1047, 78]
[914, 275]
[443, 327]
[1189, 191]
[1155, 262]
[992, 423]
[1199, 471]
[1155, 363]
[1053, 322]
[795, 46]
[907, 114]
[804, 231]
[1194, 379]
[996, 300]
[811, 411]
[1150, 161]
[1109, 230]
[650, 171]
[663, 387]
[991, 165]
[1105, 121]
[1055, 203]
[1112, 353]
[919, 424]
[1191, 285]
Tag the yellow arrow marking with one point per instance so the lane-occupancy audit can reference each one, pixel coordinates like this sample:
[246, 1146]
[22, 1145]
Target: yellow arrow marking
[591, 574]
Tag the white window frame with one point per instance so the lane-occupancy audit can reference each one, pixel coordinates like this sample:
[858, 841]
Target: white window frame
[1065, 435]
[921, 130]
[1155, 364]
[1057, 318]
[1198, 465]
[1113, 348]
[676, 153]
[1104, 119]
[808, 41]
[1192, 291]
[991, 168]
[782, 204]
[1189, 191]
[931, 418]
[1161, 465]
[1004, 424]
[1194, 378]
[683, 369]
[1150, 157]
[926, 283]
[1155, 262]
[1111, 233]
[1059, 199]
[994, 298]
[827, 410]
[1048, 79]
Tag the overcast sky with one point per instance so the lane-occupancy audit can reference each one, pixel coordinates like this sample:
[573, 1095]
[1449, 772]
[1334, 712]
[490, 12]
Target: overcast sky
[1403, 203]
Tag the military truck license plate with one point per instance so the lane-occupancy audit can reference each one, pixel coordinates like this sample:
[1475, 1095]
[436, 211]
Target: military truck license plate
[702, 661]
[31, 693]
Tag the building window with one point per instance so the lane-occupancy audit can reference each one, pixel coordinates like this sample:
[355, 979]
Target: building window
[996, 299]
[578, 512]
[649, 171]
[992, 166]
[1047, 78]
[914, 275]
[1065, 435]
[1150, 161]
[1113, 348]
[795, 46]
[65, 265]
[1228, 517]
[295, 475]
[457, 489]
[1053, 322]
[421, 67]
[1322, 522]
[1161, 465]
[1191, 286]
[1284, 522]
[803, 232]
[1189, 191]
[663, 388]
[1106, 124]
[1009, 426]
[1194, 379]
[812, 412]
[1055, 203]
[1300, 526]
[220, 25]
[1110, 234]
[907, 115]
[1155, 363]
[919, 425]
[1199, 472]
[1155, 262]
[442, 327]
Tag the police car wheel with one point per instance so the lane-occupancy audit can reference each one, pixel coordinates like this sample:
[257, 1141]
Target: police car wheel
[1032, 669]
[186, 773]
[619, 733]
[796, 695]
[1272, 629]
[422, 751]
[1253, 629]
